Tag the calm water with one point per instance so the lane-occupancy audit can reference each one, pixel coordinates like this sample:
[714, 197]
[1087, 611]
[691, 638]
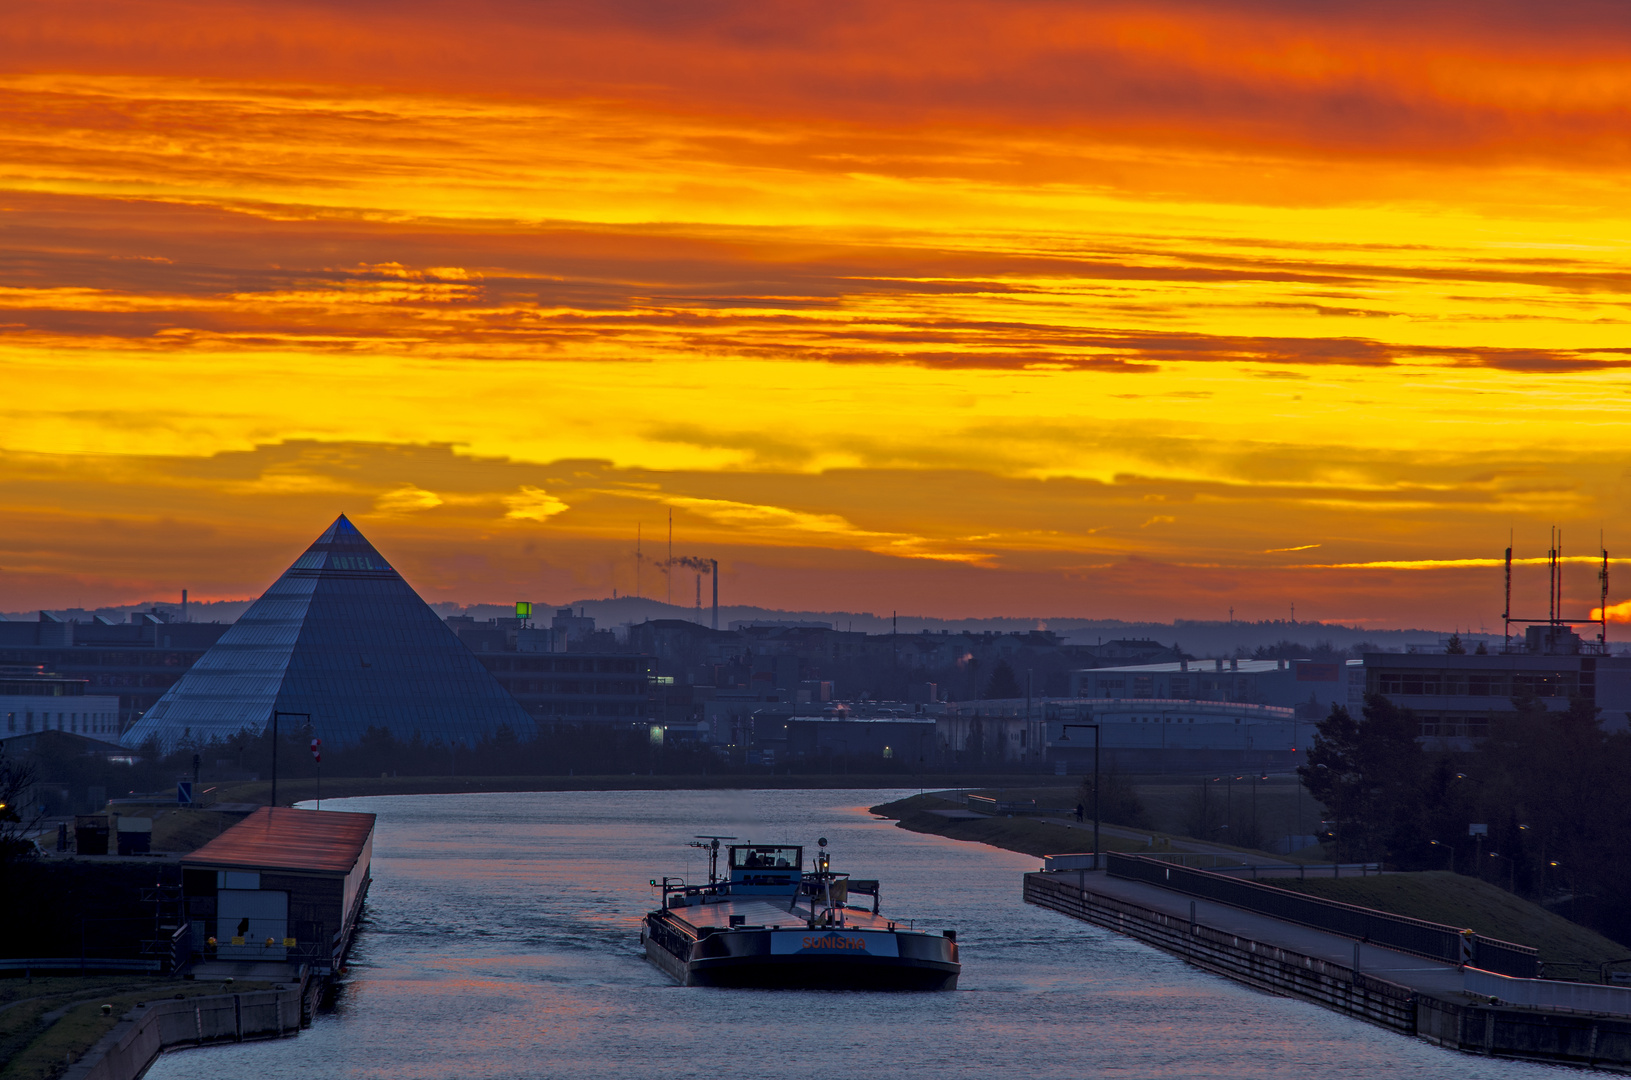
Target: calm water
[501, 941]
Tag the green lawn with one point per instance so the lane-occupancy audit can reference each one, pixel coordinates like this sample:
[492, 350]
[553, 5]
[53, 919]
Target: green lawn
[1023, 834]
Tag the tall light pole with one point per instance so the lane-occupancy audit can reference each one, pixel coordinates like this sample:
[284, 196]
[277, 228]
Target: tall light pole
[275, 715]
[1064, 736]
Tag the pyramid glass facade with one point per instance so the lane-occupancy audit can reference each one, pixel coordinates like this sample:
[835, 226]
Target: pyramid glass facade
[343, 637]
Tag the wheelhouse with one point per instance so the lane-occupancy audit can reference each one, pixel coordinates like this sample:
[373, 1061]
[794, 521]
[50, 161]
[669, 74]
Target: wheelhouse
[765, 868]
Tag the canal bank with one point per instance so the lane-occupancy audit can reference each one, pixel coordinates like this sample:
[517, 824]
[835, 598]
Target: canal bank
[1416, 992]
[146, 1031]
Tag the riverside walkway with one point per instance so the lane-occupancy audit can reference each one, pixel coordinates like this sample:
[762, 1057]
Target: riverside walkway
[1415, 972]
[1465, 1009]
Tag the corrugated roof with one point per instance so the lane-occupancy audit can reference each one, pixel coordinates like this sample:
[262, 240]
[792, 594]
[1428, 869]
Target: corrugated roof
[284, 838]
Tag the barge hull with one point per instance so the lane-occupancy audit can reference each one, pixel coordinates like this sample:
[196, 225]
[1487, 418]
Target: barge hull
[751, 958]
[822, 973]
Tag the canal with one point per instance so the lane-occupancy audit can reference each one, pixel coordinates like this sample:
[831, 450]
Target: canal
[501, 942]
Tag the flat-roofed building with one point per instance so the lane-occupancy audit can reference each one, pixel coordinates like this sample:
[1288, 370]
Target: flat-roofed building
[1454, 696]
[33, 700]
[1309, 686]
[283, 885]
[1140, 735]
[135, 661]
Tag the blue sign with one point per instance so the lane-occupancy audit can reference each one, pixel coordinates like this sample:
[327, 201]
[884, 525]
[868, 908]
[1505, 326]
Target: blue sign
[184, 792]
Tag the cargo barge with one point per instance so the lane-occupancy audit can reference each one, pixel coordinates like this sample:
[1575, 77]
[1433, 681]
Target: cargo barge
[769, 923]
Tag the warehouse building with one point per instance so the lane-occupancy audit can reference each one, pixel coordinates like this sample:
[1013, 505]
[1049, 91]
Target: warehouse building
[282, 886]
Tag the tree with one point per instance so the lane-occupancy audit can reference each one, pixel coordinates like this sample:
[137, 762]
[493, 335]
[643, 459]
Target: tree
[1453, 647]
[1002, 684]
[1370, 776]
[16, 780]
[1118, 802]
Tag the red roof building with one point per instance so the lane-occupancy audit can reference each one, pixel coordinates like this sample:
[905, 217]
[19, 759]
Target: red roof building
[281, 885]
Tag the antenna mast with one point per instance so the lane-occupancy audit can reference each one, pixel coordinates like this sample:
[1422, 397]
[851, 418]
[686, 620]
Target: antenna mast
[1506, 614]
[1602, 603]
[637, 560]
[1557, 596]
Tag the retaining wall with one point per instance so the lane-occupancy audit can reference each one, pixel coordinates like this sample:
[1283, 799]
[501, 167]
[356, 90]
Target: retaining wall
[1600, 1042]
[1550, 1035]
[126, 1051]
[1255, 963]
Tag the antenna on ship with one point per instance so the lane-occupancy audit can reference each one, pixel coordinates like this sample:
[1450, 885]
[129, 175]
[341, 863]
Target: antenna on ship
[713, 854]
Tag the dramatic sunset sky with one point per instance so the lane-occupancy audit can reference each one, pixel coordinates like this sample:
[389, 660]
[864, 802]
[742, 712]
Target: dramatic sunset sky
[1098, 309]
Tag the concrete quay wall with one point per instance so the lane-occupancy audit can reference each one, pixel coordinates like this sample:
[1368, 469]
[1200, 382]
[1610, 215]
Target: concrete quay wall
[1471, 1024]
[125, 1052]
[1255, 963]
[1566, 1038]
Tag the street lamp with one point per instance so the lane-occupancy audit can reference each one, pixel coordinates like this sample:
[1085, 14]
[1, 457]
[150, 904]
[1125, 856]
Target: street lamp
[1448, 848]
[1256, 839]
[275, 715]
[1511, 870]
[1064, 736]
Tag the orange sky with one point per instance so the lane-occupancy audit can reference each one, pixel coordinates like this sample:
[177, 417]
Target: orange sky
[1138, 310]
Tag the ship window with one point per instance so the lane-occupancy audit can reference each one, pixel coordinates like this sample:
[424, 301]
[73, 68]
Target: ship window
[765, 858]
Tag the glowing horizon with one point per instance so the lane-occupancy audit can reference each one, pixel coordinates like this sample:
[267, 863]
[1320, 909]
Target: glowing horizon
[1108, 310]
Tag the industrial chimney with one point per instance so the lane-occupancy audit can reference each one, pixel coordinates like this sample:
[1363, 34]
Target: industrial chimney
[715, 564]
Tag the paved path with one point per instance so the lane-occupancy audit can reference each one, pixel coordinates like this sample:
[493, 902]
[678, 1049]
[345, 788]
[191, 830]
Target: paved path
[1419, 973]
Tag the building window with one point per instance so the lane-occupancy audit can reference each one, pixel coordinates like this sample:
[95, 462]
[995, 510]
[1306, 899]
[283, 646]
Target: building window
[1399, 682]
[1540, 685]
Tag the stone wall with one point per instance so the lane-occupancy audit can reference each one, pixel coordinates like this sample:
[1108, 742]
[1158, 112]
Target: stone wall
[126, 1051]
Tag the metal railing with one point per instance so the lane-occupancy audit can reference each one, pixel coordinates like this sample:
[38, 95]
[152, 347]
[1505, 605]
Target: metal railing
[1433, 940]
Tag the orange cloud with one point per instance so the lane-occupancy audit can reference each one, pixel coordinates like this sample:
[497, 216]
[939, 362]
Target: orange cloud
[856, 289]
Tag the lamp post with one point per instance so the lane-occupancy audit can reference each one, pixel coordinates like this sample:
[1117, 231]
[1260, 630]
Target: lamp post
[1446, 847]
[1064, 736]
[275, 715]
[1256, 838]
[1230, 791]
[1511, 870]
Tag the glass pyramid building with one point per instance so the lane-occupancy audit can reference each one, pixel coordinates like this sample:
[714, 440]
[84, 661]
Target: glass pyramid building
[340, 636]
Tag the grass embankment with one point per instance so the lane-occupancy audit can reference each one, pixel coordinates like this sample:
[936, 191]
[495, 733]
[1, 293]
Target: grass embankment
[48, 1023]
[1023, 834]
[345, 787]
[1567, 949]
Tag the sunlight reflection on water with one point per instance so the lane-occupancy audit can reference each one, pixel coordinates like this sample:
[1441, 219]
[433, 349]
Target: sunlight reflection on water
[501, 941]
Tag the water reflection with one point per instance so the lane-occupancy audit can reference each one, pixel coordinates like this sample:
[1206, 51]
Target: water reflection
[501, 941]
